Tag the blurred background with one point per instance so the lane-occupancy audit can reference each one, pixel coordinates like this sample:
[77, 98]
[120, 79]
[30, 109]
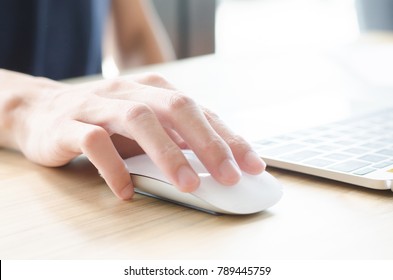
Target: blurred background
[257, 25]
[199, 27]
[325, 49]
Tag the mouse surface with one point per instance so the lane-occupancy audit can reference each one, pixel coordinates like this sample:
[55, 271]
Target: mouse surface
[252, 194]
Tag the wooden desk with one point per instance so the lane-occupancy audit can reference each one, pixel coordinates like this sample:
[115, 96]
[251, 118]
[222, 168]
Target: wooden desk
[69, 212]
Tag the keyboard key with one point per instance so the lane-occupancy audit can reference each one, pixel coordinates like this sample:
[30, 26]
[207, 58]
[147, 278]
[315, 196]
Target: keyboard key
[356, 151]
[387, 152]
[300, 156]
[265, 143]
[319, 162]
[282, 138]
[280, 150]
[312, 141]
[373, 158]
[385, 139]
[331, 136]
[372, 145]
[383, 164]
[328, 148]
[337, 156]
[357, 146]
[345, 142]
[364, 171]
[349, 165]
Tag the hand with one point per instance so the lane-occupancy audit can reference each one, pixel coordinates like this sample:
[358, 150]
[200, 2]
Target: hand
[111, 120]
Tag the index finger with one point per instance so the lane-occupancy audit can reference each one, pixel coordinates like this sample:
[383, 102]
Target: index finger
[182, 114]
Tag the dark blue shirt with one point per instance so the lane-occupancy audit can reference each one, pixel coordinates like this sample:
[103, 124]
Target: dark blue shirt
[57, 39]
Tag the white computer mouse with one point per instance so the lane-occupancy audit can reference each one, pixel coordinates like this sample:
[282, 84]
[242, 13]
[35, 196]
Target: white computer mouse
[252, 194]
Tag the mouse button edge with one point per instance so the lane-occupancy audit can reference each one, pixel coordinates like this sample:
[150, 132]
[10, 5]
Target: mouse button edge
[168, 192]
[240, 198]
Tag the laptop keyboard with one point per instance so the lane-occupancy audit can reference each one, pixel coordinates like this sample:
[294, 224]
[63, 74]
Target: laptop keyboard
[360, 147]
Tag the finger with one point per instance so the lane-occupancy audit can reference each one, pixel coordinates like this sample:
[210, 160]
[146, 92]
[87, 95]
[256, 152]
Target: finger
[131, 87]
[180, 113]
[176, 138]
[154, 80]
[142, 124]
[246, 157]
[95, 143]
[136, 121]
[187, 119]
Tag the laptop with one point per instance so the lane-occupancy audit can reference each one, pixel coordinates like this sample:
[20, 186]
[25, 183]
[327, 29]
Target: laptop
[357, 151]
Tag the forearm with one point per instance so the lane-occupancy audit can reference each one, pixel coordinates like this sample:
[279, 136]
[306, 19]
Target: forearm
[17, 92]
[51, 123]
[155, 41]
[140, 36]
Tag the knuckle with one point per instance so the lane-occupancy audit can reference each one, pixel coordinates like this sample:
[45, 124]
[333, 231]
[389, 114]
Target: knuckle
[237, 142]
[167, 152]
[178, 101]
[212, 146]
[93, 136]
[138, 113]
[112, 86]
[210, 115]
[115, 85]
[155, 79]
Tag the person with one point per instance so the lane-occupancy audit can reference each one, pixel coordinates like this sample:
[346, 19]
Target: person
[52, 122]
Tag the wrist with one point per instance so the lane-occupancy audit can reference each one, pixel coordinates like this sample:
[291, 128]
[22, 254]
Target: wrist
[18, 94]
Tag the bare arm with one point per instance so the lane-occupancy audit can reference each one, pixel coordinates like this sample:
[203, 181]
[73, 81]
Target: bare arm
[17, 92]
[51, 123]
[137, 33]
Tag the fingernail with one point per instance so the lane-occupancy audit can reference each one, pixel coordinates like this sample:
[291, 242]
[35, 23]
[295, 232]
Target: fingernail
[188, 180]
[254, 162]
[127, 192]
[229, 172]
